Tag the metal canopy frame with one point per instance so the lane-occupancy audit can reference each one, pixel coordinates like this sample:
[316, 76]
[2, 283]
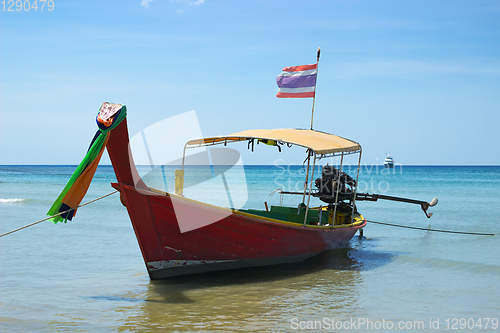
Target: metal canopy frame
[207, 142]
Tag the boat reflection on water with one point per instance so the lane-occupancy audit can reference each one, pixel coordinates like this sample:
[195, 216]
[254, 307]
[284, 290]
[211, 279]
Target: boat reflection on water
[326, 286]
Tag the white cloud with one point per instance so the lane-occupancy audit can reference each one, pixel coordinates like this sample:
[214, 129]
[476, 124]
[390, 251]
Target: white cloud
[190, 2]
[145, 3]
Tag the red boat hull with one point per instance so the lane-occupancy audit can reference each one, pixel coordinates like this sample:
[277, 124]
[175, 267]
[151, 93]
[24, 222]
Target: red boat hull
[236, 240]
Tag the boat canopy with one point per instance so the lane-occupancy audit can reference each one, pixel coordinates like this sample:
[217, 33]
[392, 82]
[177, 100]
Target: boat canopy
[320, 142]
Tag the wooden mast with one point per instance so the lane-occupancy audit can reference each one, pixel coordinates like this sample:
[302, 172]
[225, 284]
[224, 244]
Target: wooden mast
[314, 97]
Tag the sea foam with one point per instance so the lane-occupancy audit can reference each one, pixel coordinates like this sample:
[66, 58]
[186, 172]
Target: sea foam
[16, 200]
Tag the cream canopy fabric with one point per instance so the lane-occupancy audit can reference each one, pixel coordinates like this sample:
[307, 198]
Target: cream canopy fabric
[320, 142]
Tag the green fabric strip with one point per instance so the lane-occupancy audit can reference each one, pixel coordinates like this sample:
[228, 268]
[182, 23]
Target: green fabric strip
[91, 155]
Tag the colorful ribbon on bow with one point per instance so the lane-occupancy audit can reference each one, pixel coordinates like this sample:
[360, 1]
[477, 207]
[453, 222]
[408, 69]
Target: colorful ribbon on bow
[109, 116]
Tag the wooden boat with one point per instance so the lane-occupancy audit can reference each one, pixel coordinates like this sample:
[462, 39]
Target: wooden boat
[237, 238]
[178, 235]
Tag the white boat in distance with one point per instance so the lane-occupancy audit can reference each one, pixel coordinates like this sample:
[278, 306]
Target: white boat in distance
[389, 161]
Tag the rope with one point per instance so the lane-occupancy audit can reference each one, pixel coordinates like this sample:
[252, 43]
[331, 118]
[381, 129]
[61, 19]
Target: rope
[280, 191]
[31, 224]
[437, 230]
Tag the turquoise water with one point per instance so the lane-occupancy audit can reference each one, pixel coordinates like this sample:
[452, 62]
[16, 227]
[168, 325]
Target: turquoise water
[88, 274]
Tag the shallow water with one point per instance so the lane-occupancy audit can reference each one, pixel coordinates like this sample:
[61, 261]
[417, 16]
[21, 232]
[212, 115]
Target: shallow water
[88, 274]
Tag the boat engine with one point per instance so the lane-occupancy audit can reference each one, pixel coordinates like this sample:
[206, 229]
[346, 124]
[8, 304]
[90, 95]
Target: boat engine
[333, 180]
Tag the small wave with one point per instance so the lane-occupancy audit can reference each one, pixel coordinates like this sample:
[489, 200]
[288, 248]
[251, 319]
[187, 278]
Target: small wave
[455, 265]
[115, 298]
[16, 200]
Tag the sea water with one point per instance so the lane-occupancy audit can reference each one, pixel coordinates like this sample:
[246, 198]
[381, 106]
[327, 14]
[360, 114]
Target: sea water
[89, 275]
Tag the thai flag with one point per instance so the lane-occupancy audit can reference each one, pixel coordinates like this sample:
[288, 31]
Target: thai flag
[297, 81]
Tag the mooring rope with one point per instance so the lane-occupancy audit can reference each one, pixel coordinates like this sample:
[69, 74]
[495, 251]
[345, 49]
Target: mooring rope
[437, 230]
[389, 224]
[280, 191]
[31, 224]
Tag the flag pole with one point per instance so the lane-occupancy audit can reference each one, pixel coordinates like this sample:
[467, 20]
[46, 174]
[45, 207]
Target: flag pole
[314, 97]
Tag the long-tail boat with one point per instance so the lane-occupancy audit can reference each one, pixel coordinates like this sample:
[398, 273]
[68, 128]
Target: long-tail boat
[178, 235]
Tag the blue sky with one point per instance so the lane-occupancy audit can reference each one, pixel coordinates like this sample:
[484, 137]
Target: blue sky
[420, 79]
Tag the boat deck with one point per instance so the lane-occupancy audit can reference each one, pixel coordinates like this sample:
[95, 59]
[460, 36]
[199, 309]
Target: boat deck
[291, 214]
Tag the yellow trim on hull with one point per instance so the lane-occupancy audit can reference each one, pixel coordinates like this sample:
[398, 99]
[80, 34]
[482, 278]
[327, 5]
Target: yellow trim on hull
[358, 220]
